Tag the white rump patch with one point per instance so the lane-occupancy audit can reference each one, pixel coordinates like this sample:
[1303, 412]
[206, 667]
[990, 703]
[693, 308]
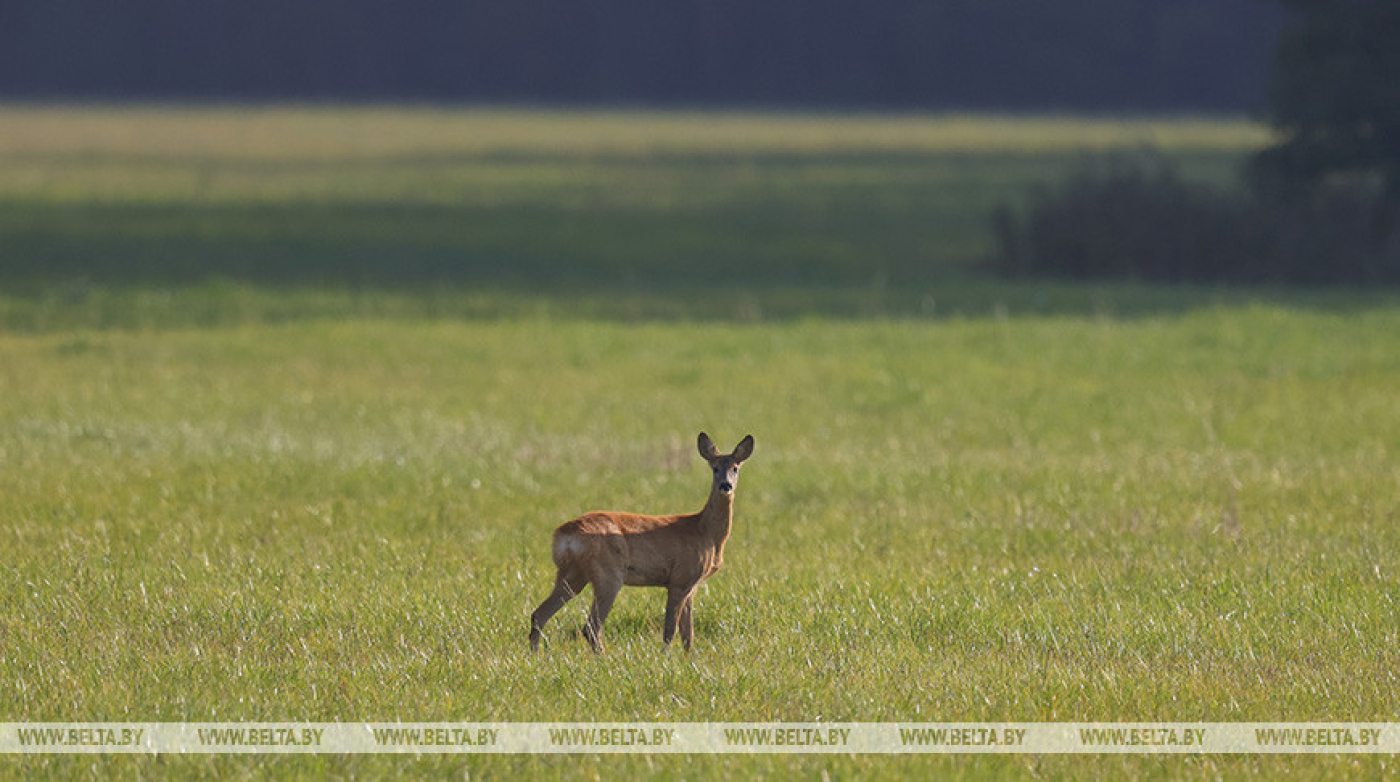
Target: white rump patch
[567, 545]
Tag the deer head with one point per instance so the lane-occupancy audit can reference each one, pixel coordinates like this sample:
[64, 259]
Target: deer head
[725, 466]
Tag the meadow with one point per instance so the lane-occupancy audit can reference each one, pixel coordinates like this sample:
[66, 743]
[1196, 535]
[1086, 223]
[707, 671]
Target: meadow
[548, 200]
[234, 490]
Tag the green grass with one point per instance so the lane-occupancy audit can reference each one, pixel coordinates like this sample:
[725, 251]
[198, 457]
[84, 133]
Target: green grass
[597, 199]
[229, 493]
[1041, 519]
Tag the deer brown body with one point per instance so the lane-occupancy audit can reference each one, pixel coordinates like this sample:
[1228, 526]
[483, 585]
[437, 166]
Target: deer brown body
[611, 550]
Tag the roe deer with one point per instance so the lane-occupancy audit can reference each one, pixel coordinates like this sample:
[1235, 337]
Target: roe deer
[611, 550]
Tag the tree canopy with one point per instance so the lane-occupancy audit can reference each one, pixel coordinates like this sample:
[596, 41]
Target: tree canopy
[1334, 94]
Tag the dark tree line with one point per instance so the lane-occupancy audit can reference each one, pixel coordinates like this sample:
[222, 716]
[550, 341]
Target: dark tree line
[1005, 54]
[1334, 96]
[1322, 204]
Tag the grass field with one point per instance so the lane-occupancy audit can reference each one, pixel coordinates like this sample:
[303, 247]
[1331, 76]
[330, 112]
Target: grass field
[548, 199]
[255, 499]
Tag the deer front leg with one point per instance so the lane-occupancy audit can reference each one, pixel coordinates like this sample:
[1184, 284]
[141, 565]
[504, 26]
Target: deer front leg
[687, 630]
[676, 598]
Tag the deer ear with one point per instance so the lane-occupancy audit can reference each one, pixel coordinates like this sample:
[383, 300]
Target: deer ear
[744, 449]
[707, 447]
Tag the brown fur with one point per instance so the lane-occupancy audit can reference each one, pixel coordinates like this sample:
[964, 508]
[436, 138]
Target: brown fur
[610, 550]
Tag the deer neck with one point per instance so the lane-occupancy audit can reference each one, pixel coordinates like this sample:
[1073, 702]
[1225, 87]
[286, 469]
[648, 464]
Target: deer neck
[717, 516]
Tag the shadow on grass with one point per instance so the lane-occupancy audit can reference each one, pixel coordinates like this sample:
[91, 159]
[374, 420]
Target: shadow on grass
[55, 306]
[520, 245]
[125, 266]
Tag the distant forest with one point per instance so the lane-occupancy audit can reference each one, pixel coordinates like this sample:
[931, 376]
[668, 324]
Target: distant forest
[1095, 55]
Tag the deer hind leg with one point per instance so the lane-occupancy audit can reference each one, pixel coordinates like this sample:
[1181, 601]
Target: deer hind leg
[566, 585]
[604, 593]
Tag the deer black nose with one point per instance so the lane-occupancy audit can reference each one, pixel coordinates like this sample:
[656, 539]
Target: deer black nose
[726, 487]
